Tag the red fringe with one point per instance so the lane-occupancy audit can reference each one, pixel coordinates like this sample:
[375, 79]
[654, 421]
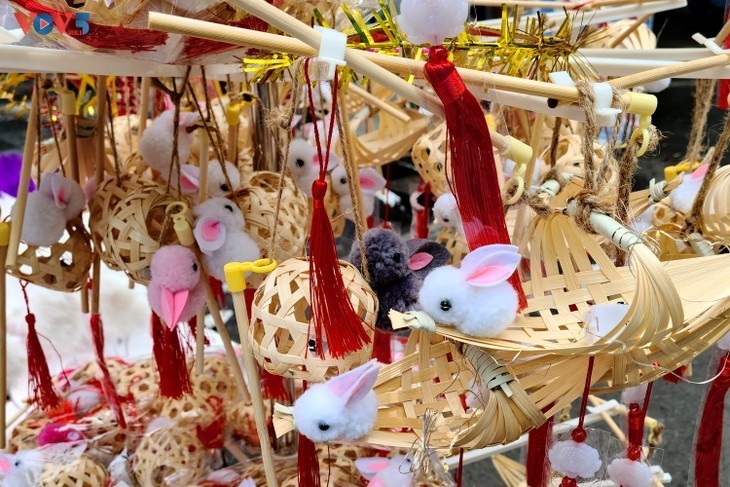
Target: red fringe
[709, 435]
[170, 359]
[382, 347]
[538, 442]
[307, 463]
[473, 174]
[41, 389]
[106, 382]
[273, 386]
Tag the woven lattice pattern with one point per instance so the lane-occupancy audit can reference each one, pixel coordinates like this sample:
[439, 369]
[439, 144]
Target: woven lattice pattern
[84, 472]
[280, 330]
[429, 157]
[61, 267]
[716, 210]
[454, 243]
[169, 455]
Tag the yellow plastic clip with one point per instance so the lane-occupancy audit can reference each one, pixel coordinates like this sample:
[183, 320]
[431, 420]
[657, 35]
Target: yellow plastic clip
[236, 272]
[233, 113]
[4, 234]
[518, 151]
[68, 100]
[179, 213]
[518, 181]
[643, 131]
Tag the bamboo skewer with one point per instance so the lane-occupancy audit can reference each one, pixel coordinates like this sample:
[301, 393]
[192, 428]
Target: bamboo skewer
[101, 111]
[202, 196]
[378, 103]
[19, 208]
[236, 280]
[628, 31]
[4, 235]
[144, 106]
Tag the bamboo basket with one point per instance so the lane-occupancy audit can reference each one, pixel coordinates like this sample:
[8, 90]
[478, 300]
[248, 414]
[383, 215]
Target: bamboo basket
[280, 330]
[62, 267]
[429, 157]
[336, 466]
[454, 243]
[167, 454]
[84, 472]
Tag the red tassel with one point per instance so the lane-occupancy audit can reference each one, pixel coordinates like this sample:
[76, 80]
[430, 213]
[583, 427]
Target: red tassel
[42, 392]
[381, 347]
[568, 482]
[538, 469]
[473, 174]
[273, 386]
[709, 434]
[170, 359]
[307, 463]
[723, 87]
[217, 288]
[107, 384]
[335, 321]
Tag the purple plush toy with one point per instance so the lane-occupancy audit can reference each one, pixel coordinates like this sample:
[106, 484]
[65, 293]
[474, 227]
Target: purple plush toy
[397, 269]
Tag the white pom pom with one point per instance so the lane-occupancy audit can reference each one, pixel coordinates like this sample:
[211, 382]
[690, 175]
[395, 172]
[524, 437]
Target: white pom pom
[432, 21]
[575, 459]
[657, 86]
[724, 342]
[628, 473]
[634, 394]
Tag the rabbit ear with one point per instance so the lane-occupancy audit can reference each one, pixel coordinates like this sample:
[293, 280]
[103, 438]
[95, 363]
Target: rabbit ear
[472, 260]
[6, 462]
[369, 467]
[371, 180]
[61, 189]
[210, 234]
[354, 385]
[700, 172]
[493, 269]
[189, 178]
[426, 255]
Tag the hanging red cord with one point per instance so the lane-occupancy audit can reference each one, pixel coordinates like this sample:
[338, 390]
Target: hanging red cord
[708, 447]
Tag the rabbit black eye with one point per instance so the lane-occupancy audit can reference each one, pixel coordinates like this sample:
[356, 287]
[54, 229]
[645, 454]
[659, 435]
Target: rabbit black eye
[576, 164]
[224, 187]
[195, 267]
[300, 163]
[343, 181]
[446, 220]
[323, 426]
[17, 463]
[312, 345]
[397, 257]
[445, 305]
[229, 208]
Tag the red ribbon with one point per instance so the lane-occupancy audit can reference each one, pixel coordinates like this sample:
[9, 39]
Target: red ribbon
[709, 435]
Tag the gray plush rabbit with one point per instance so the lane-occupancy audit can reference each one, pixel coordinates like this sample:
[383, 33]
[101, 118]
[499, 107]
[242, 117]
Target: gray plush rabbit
[397, 269]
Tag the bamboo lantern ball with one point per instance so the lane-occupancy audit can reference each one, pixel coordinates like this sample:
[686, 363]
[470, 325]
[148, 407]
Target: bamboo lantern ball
[240, 416]
[280, 330]
[258, 204]
[84, 472]
[134, 230]
[64, 266]
[429, 156]
[169, 456]
[455, 244]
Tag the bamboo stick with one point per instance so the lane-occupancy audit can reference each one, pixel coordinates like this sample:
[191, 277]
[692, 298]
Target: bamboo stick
[609, 420]
[722, 35]
[373, 100]
[4, 237]
[672, 71]
[627, 32]
[19, 208]
[101, 114]
[233, 132]
[144, 106]
[252, 371]
[202, 196]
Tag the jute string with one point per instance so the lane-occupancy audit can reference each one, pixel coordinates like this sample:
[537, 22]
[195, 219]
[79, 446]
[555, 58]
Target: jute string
[704, 92]
[554, 141]
[587, 102]
[352, 173]
[693, 220]
[283, 121]
[609, 162]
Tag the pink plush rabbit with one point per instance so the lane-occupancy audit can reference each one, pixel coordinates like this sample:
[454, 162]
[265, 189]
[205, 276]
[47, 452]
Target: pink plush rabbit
[343, 408]
[176, 292]
[47, 210]
[476, 298]
[386, 472]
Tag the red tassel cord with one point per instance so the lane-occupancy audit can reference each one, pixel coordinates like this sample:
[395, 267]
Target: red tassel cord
[307, 461]
[217, 288]
[41, 390]
[709, 435]
[472, 174]
[273, 387]
[538, 442]
[579, 434]
[107, 384]
[335, 321]
[382, 347]
[170, 359]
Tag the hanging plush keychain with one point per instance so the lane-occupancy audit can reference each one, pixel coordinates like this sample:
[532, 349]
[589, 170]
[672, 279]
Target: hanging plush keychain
[472, 173]
[176, 293]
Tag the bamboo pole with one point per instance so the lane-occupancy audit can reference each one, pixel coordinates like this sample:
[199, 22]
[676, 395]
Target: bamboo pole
[672, 71]
[100, 156]
[233, 116]
[722, 35]
[19, 208]
[236, 280]
[627, 32]
[144, 106]
[202, 196]
[374, 101]
[4, 238]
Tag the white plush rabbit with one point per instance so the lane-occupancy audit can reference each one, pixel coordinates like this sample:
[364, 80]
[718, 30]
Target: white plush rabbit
[47, 210]
[475, 298]
[156, 144]
[343, 408]
[370, 183]
[301, 165]
[386, 472]
[683, 196]
[219, 231]
[431, 21]
[446, 212]
[217, 184]
[22, 469]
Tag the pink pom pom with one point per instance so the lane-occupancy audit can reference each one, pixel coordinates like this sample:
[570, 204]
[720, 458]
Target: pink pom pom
[575, 459]
[629, 473]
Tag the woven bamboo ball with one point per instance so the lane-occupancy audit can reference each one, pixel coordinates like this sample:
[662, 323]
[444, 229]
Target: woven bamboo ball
[133, 228]
[429, 156]
[107, 437]
[169, 456]
[62, 267]
[285, 469]
[243, 422]
[258, 204]
[25, 434]
[455, 244]
[280, 331]
[139, 381]
[336, 464]
[84, 472]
